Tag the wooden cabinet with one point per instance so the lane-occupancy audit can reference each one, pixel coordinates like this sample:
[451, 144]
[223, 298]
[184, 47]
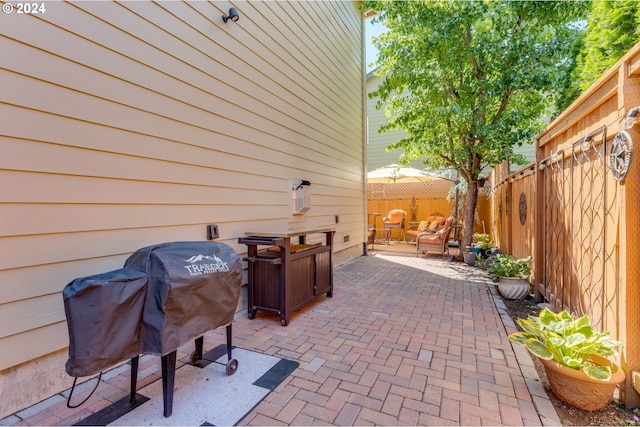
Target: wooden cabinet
[284, 275]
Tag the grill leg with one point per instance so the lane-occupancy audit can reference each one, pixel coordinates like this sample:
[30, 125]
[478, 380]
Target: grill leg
[168, 379]
[196, 356]
[229, 341]
[232, 364]
[199, 346]
[134, 379]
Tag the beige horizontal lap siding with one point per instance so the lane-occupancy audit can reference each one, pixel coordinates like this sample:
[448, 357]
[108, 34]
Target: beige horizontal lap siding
[128, 124]
[377, 143]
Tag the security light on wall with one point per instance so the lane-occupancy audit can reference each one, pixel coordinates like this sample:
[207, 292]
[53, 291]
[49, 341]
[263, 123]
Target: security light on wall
[301, 195]
[233, 15]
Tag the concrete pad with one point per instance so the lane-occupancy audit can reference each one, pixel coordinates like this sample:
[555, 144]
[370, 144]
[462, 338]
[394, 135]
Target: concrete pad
[206, 395]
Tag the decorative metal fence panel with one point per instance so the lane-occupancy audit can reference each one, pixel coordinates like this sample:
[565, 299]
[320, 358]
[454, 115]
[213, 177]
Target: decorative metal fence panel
[577, 215]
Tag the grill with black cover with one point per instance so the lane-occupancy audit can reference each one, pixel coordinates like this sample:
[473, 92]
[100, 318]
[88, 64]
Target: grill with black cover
[174, 292]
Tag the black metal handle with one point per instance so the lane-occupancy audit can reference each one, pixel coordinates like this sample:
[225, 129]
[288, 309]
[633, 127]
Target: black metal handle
[261, 240]
[267, 260]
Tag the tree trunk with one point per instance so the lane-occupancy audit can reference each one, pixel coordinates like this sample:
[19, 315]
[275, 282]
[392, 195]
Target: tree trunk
[469, 215]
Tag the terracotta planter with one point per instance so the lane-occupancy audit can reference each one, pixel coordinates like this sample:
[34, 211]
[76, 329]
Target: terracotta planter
[513, 287]
[579, 390]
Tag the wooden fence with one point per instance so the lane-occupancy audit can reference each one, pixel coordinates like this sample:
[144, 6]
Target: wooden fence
[512, 212]
[577, 211]
[420, 200]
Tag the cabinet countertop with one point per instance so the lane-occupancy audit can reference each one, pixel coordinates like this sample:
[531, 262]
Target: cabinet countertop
[288, 233]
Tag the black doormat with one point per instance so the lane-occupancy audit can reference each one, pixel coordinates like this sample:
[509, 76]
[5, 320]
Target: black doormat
[112, 412]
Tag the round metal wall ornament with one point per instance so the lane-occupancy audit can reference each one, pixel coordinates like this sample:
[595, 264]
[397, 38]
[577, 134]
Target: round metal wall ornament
[620, 157]
[522, 205]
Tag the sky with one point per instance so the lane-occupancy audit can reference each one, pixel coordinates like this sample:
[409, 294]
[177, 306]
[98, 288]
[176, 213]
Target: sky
[370, 31]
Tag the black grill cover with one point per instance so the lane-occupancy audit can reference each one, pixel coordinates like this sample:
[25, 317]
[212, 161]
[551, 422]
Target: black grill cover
[194, 288]
[104, 315]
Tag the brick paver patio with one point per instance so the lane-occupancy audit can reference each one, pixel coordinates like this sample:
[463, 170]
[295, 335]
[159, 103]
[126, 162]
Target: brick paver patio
[405, 340]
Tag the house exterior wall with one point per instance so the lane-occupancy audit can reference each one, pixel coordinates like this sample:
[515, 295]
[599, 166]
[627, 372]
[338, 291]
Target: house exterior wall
[377, 156]
[134, 123]
[377, 143]
[528, 151]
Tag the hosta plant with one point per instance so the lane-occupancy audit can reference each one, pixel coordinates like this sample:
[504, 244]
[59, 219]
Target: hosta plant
[568, 341]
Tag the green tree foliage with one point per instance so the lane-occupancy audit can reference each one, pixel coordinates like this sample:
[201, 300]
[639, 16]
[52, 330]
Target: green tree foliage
[468, 80]
[613, 28]
[570, 85]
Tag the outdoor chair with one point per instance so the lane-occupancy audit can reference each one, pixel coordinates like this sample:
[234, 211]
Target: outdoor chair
[394, 220]
[431, 224]
[435, 242]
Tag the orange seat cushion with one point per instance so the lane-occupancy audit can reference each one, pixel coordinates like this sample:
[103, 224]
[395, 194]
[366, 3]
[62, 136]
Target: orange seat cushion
[395, 217]
[441, 220]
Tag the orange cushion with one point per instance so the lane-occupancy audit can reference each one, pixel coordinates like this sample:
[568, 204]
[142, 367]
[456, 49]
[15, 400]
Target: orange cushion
[431, 238]
[395, 217]
[438, 218]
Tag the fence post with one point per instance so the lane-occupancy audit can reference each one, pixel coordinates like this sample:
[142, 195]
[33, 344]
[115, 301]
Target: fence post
[629, 97]
[539, 221]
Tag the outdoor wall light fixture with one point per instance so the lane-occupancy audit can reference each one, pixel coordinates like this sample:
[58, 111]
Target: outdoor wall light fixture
[233, 15]
[300, 184]
[630, 120]
[301, 196]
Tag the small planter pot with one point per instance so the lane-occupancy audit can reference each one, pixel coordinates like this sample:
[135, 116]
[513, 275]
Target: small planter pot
[579, 390]
[513, 287]
[469, 258]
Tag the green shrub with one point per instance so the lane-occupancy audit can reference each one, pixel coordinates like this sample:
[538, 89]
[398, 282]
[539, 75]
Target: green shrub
[504, 265]
[482, 241]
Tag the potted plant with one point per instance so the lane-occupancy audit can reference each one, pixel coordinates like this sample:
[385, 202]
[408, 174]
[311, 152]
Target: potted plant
[482, 244]
[482, 241]
[512, 275]
[574, 356]
[469, 256]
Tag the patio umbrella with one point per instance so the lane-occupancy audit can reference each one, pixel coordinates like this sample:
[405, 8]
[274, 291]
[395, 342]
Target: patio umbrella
[393, 173]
